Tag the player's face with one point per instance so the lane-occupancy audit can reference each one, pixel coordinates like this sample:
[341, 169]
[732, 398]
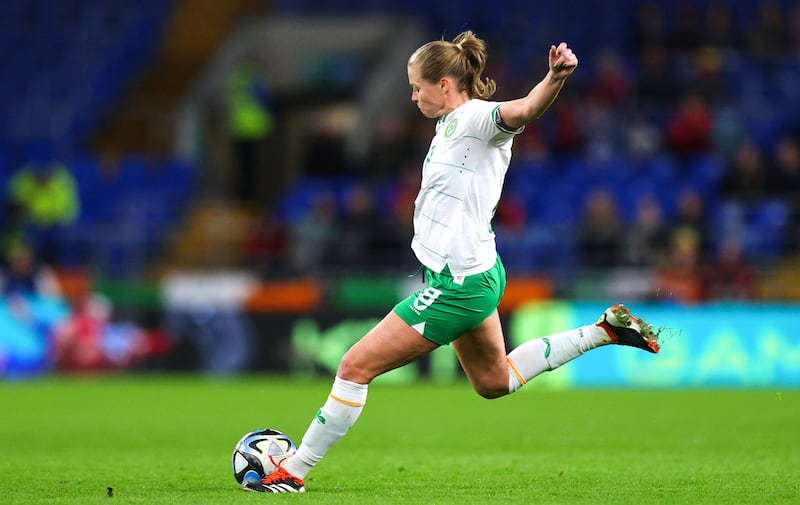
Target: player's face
[428, 96]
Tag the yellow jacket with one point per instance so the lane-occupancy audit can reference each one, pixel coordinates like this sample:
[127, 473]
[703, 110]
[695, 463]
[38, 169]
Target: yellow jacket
[45, 201]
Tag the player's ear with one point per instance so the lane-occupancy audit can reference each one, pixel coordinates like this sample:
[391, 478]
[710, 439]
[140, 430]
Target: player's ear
[444, 84]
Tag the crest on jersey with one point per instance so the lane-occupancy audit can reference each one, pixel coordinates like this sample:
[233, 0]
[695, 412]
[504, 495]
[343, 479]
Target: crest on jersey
[450, 128]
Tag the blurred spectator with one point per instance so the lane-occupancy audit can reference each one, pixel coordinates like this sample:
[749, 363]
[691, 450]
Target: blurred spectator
[645, 242]
[601, 122]
[707, 78]
[611, 82]
[729, 131]
[720, 31]
[401, 196]
[747, 178]
[600, 231]
[78, 340]
[88, 340]
[264, 245]
[30, 308]
[785, 185]
[691, 217]
[642, 137]
[24, 281]
[729, 276]
[43, 202]
[400, 207]
[657, 84]
[680, 278]
[531, 146]
[394, 142]
[649, 27]
[688, 131]
[568, 134]
[688, 33]
[358, 232]
[511, 214]
[515, 237]
[768, 38]
[604, 132]
[311, 236]
[785, 181]
[250, 123]
[23, 275]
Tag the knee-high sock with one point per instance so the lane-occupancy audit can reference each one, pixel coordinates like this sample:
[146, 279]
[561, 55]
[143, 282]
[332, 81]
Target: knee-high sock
[333, 420]
[550, 352]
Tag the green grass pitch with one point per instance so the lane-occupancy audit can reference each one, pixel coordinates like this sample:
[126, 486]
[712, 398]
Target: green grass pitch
[168, 440]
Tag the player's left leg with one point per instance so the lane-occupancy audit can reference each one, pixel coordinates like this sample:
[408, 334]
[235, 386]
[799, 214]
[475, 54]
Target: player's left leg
[390, 344]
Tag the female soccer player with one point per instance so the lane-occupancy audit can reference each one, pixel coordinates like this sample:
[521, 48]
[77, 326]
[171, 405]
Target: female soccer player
[462, 178]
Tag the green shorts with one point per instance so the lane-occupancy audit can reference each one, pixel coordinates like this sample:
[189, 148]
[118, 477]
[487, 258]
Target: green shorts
[445, 310]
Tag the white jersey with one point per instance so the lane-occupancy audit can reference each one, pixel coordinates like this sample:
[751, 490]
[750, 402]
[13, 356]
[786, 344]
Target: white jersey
[462, 178]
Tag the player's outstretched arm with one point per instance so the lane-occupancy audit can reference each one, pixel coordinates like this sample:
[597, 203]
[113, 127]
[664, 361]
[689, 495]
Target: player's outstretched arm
[519, 112]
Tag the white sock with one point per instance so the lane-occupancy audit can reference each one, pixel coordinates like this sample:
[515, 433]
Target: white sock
[548, 353]
[333, 420]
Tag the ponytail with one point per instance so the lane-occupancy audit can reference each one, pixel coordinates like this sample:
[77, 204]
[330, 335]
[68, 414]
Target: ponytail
[473, 50]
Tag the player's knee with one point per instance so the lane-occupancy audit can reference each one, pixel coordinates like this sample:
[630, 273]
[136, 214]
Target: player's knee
[491, 389]
[348, 367]
[352, 369]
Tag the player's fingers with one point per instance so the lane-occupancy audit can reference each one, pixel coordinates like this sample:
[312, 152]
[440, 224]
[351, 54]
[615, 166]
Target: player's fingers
[565, 63]
[563, 49]
[562, 57]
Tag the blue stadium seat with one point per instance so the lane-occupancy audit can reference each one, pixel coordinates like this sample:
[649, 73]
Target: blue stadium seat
[705, 172]
[766, 230]
[70, 57]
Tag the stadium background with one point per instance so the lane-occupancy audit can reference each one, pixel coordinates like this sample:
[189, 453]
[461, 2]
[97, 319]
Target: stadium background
[665, 176]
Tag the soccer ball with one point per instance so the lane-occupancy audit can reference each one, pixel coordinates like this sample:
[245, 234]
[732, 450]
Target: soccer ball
[259, 453]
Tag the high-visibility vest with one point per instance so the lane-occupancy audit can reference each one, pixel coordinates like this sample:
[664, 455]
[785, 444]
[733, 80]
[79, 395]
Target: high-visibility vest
[249, 118]
[54, 201]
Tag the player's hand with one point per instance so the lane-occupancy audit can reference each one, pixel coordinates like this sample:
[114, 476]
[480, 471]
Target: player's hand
[562, 61]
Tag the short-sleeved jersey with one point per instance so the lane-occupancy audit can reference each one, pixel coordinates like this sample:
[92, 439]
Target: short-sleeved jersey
[462, 179]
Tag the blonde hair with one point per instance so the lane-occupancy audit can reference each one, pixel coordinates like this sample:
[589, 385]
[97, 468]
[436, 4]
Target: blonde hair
[463, 59]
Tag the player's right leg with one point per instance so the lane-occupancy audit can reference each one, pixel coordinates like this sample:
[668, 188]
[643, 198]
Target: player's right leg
[625, 329]
[481, 351]
[615, 326]
[482, 354]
